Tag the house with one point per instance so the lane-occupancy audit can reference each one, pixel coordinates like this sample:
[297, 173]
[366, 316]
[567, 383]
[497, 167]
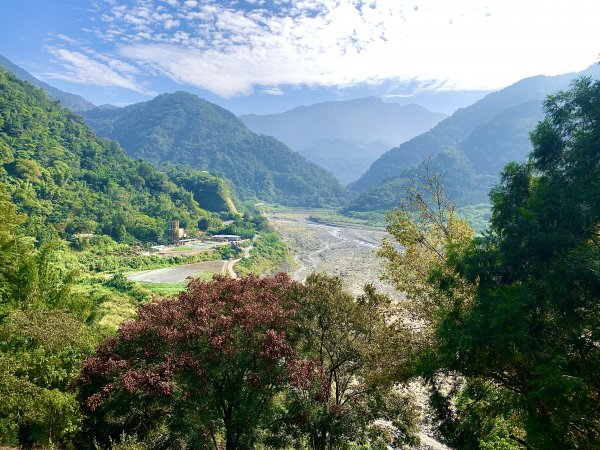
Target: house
[226, 238]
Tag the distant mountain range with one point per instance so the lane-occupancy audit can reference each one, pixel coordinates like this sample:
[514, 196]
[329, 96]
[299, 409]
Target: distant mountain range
[446, 102]
[66, 99]
[181, 128]
[345, 137]
[470, 147]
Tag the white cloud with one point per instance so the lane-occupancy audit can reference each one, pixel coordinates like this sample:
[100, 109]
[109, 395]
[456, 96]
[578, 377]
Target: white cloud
[273, 90]
[229, 50]
[80, 68]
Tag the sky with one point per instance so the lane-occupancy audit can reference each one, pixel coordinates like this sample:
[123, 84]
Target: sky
[270, 55]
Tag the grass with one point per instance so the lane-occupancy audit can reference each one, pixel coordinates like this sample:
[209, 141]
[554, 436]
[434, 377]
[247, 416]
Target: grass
[165, 289]
[171, 289]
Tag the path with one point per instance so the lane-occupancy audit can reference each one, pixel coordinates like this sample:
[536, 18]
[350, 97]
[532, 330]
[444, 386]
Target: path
[233, 262]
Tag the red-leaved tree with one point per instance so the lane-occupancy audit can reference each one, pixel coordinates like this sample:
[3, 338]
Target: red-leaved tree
[199, 370]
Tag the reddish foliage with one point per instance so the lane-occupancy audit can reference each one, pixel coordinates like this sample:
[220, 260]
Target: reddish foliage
[218, 336]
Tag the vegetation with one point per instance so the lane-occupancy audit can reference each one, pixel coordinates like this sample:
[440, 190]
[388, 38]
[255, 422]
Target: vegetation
[487, 123]
[349, 339]
[247, 362]
[512, 316]
[183, 129]
[216, 357]
[502, 326]
[69, 182]
[66, 99]
[269, 255]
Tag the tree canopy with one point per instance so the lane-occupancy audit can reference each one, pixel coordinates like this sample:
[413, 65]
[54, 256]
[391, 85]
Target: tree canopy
[515, 312]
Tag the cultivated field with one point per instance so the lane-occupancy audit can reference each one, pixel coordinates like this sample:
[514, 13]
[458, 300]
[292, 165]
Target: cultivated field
[178, 274]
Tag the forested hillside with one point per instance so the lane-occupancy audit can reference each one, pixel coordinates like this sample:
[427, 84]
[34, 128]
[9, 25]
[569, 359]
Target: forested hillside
[181, 128]
[67, 180]
[500, 120]
[470, 169]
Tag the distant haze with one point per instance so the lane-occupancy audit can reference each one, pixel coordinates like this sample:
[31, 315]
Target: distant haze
[345, 137]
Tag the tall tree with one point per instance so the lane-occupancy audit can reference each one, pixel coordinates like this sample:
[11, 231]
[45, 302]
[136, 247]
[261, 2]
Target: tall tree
[201, 370]
[525, 340]
[352, 398]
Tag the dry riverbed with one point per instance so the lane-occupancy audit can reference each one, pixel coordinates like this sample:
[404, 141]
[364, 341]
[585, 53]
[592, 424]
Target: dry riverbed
[348, 251]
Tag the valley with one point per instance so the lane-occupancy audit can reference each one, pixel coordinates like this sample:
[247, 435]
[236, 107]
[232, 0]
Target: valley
[345, 250]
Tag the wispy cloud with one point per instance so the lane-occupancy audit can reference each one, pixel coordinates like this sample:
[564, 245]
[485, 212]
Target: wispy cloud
[80, 68]
[230, 47]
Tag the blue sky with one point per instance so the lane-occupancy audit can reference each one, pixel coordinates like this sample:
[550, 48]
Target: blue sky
[270, 55]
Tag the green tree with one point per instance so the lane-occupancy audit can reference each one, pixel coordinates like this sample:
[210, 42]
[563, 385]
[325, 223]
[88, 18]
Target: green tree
[525, 337]
[352, 400]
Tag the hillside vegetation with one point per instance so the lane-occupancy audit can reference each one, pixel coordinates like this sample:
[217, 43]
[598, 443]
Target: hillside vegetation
[68, 180]
[66, 99]
[184, 129]
[468, 149]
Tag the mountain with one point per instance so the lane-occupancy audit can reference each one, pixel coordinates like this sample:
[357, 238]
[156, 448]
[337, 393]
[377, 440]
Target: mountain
[461, 181]
[66, 179]
[66, 99]
[446, 102]
[181, 128]
[347, 160]
[365, 120]
[360, 130]
[491, 132]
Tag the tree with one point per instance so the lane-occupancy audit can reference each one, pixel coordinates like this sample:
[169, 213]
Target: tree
[350, 393]
[523, 331]
[200, 369]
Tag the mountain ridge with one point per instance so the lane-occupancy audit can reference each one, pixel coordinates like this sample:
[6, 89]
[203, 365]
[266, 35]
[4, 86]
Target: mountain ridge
[181, 128]
[72, 101]
[450, 132]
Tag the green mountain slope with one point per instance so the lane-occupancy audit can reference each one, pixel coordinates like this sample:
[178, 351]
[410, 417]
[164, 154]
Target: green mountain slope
[470, 169]
[67, 180]
[66, 99]
[461, 181]
[181, 128]
[451, 132]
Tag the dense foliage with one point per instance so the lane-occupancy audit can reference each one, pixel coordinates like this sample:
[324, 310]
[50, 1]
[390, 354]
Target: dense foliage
[463, 184]
[353, 342]
[513, 320]
[202, 366]
[250, 362]
[66, 179]
[181, 128]
[66, 99]
[43, 338]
